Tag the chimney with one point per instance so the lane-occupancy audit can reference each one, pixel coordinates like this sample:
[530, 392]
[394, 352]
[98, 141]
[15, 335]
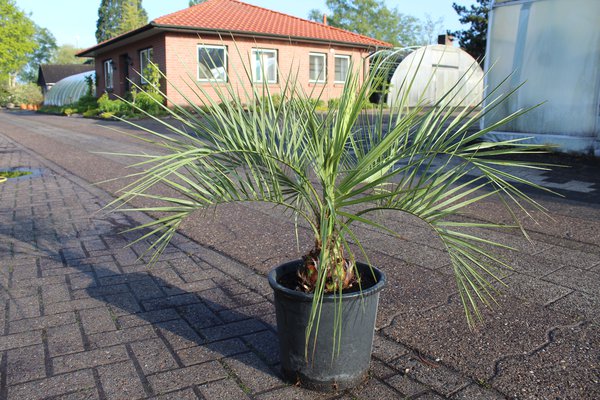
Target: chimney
[324, 19]
[446, 40]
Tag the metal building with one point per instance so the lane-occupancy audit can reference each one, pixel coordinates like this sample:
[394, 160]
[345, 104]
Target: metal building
[553, 47]
[429, 72]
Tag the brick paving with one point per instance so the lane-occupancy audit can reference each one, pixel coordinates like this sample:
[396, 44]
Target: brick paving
[85, 319]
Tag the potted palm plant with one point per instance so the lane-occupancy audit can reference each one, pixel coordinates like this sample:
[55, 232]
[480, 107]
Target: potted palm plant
[333, 170]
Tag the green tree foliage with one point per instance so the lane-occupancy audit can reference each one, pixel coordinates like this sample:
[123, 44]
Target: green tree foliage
[133, 16]
[194, 2]
[119, 16]
[17, 41]
[371, 18]
[65, 54]
[46, 46]
[473, 40]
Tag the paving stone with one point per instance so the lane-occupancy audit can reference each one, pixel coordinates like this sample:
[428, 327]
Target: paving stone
[113, 338]
[89, 359]
[381, 370]
[226, 389]
[179, 334]
[153, 356]
[387, 349]
[120, 381]
[199, 316]
[82, 280]
[53, 386]
[432, 374]
[64, 339]
[576, 278]
[150, 317]
[38, 323]
[24, 307]
[123, 303]
[169, 302]
[211, 351]
[296, 393]
[165, 382]
[97, 292]
[406, 386]
[145, 289]
[72, 305]
[266, 344]
[25, 364]
[374, 389]
[534, 289]
[55, 293]
[232, 329]
[475, 391]
[96, 320]
[584, 306]
[253, 372]
[22, 339]
[84, 394]
[185, 394]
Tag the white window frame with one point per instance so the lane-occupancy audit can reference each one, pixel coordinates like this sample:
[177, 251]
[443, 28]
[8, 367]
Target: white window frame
[341, 57]
[109, 73]
[322, 79]
[149, 53]
[225, 62]
[261, 68]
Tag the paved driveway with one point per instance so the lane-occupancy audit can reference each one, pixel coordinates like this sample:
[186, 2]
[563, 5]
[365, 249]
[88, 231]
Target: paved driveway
[83, 319]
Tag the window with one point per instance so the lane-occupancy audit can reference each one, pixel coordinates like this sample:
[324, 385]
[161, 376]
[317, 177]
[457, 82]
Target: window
[145, 59]
[317, 67]
[108, 74]
[264, 65]
[342, 65]
[212, 63]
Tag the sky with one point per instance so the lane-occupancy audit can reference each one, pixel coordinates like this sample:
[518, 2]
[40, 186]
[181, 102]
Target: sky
[74, 21]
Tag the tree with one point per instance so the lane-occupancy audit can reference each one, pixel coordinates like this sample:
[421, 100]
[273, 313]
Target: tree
[119, 16]
[194, 2]
[133, 16]
[46, 46]
[371, 18]
[16, 40]
[430, 29]
[473, 40]
[65, 54]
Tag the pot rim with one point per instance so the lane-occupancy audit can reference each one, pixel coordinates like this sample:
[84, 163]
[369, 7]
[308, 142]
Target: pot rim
[301, 296]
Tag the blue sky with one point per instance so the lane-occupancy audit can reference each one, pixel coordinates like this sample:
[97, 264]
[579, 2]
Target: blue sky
[74, 21]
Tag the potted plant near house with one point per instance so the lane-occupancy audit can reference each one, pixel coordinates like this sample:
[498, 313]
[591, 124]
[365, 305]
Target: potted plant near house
[332, 171]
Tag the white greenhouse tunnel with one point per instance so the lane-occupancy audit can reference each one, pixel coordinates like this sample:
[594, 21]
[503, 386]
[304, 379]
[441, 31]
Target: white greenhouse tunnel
[553, 48]
[429, 72]
[68, 90]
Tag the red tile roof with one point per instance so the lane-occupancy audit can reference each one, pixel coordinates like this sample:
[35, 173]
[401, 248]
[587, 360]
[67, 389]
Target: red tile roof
[235, 16]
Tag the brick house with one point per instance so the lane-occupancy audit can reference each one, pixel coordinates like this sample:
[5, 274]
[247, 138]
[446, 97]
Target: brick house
[217, 41]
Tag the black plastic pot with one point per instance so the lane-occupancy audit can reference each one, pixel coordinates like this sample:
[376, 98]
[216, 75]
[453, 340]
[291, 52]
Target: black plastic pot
[321, 371]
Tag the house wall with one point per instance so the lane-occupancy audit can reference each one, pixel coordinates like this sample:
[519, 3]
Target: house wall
[122, 70]
[182, 62]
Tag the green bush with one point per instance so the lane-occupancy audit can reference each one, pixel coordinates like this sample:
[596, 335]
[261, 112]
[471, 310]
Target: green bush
[92, 112]
[86, 103]
[107, 115]
[6, 96]
[28, 93]
[149, 102]
[116, 107]
[70, 111]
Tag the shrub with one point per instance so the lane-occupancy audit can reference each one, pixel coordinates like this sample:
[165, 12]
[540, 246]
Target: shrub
[92, 112]
[106, 105]
[149, 102]
[107, 115]
[29, 93]
[87, 102]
